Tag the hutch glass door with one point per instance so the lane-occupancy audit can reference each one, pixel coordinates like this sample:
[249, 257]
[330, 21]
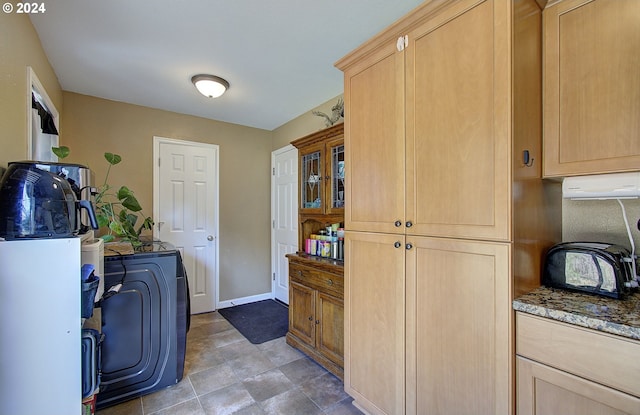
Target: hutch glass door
[311, 190]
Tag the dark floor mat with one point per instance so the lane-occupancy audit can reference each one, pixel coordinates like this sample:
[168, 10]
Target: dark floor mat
[260, 321]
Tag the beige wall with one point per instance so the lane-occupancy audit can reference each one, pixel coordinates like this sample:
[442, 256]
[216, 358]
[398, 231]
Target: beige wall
[20, 47]
[94, 126]
[302, 125]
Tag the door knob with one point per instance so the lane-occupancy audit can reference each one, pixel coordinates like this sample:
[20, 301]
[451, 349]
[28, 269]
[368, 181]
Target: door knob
[210, 238]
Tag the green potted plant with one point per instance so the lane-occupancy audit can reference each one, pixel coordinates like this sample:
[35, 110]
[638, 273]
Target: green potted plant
[117, 211]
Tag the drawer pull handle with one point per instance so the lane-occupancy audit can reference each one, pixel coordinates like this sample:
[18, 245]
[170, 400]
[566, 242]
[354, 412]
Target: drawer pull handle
[330, 281]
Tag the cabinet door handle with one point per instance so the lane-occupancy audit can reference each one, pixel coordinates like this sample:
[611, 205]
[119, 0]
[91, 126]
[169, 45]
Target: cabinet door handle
[317, 321]
[327, 177]
[409, 246]
[299, 273]
[398, 223]
[397, 244]
[409, 224]
[310, 318]
[330, 281]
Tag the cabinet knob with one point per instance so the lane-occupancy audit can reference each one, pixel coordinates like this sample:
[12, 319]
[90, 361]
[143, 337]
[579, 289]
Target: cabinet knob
[409, 246]
[327, 177]
[330, 281]
[317, 321]
[299, 273]
[397, 244]
[398, 223]
[210, 238]
[310, 318]
[409, 224]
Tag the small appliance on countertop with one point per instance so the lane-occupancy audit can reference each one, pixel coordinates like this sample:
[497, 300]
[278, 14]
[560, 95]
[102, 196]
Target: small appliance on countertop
[596, 268]
[81, 179]
[35, 203]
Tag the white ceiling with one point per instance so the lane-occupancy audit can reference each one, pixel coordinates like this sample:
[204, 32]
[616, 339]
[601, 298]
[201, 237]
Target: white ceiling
[277, 55]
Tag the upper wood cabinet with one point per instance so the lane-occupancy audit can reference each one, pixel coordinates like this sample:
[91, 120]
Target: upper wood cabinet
[591, 87]
[428, 125]
[375, 143]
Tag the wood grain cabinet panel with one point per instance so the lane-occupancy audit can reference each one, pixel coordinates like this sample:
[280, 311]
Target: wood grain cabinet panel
[571, 370]
[591, 87]
[375, 322]
[302, 311]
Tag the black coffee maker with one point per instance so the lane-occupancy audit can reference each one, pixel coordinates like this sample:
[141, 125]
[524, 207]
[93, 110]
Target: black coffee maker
[36, 203]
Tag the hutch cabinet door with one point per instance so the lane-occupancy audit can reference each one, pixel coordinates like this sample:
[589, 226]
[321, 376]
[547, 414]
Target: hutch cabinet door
[330, 330]
[335, 177]
[302, 322]
[591, 87]
[312, 180]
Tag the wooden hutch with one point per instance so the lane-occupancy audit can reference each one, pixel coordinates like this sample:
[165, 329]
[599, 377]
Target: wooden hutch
[316, 283]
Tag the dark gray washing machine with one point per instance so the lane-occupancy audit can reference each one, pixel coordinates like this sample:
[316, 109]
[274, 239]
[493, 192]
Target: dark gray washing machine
[144, 324]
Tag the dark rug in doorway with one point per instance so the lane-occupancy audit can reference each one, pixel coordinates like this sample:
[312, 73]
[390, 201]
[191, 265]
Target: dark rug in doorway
[259, 322]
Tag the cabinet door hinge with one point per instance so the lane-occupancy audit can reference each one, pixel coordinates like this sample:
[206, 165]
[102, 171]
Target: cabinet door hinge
[403, 42]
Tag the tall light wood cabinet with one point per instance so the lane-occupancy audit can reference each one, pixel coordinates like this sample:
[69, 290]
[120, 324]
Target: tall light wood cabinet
[440, 205]
[591, 87]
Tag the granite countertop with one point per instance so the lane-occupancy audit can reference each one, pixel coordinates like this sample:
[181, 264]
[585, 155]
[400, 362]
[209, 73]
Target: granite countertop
[619, 317]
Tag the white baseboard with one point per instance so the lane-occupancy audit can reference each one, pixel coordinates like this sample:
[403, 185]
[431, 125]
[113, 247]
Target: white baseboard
[245, 300]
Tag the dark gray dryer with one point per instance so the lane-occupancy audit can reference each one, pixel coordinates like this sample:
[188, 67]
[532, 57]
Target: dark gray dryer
[144, 325]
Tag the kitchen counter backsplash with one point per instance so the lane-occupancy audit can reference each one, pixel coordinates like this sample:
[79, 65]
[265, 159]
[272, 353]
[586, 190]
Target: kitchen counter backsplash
[619, 317]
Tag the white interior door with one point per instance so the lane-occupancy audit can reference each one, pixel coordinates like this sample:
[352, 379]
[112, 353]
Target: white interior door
[284, 216]
[186, 212]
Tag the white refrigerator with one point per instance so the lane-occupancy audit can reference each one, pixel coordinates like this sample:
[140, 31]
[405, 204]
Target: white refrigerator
[40, 330]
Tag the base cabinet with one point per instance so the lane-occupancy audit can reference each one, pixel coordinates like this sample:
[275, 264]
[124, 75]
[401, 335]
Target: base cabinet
[570, 370]
[427, 325]
[316, 312]
[543, 390]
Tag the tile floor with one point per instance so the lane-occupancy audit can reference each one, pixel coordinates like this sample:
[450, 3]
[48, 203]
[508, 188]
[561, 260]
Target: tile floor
[225, 374]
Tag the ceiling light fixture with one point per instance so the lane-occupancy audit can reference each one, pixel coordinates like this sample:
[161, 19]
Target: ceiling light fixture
[209, 85]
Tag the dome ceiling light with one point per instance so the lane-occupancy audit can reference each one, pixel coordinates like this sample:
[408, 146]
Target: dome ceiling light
[209, 85]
